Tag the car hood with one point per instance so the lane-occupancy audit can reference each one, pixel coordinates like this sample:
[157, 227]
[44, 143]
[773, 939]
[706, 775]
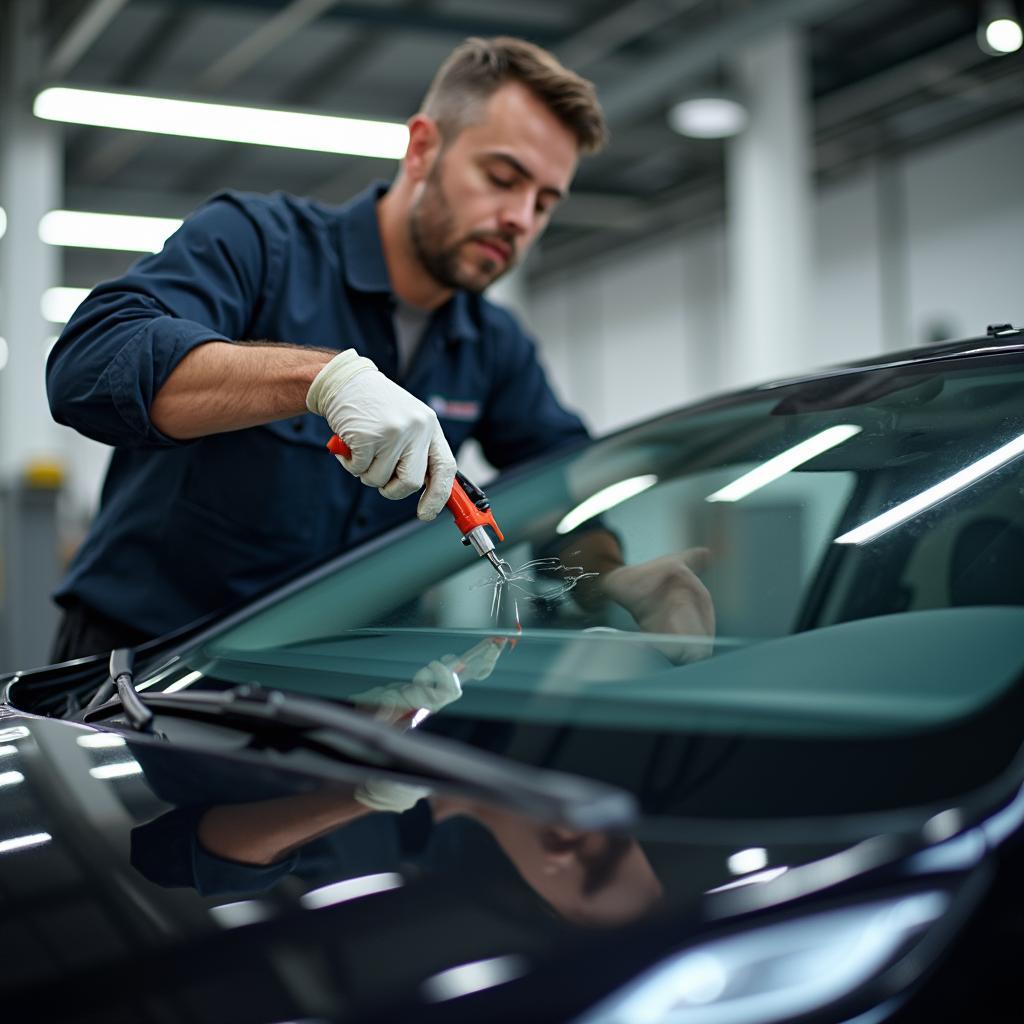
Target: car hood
[111, 885]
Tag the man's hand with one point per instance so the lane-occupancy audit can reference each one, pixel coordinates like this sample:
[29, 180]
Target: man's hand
[665, 596]
[396, 441]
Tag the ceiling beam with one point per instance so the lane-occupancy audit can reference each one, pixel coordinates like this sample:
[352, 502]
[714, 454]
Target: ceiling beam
[663, 76]
[624, 23]
[385, 16]
[247, 53]
[81, 34]
[895, 82]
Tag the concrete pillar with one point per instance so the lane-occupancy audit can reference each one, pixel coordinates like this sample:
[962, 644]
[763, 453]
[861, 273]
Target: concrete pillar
[897, 332]
[31, 183]
[769, 213]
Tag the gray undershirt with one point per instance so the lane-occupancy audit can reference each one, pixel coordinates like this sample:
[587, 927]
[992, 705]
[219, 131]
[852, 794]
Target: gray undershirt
[410, 324]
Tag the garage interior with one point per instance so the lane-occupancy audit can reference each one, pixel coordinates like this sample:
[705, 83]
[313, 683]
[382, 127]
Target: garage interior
[866, 201]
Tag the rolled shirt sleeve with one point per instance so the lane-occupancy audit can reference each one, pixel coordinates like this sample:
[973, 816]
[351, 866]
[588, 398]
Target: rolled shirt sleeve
[127, 337]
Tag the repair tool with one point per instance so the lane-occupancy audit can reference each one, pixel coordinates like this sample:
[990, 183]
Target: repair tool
[469, 507]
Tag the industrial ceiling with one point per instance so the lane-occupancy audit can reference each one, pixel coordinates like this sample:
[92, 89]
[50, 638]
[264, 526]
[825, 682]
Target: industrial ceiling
[886, 76]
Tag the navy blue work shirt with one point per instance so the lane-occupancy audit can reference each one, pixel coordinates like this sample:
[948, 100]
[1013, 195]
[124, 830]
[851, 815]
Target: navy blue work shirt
[187, 527]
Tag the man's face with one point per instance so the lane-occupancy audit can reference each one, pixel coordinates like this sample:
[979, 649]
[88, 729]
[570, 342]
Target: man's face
[492, 190]
[593, 879]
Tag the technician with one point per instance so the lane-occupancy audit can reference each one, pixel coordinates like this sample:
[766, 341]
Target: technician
[219, 367]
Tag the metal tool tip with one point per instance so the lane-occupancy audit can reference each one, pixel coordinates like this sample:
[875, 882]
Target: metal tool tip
[501, 566]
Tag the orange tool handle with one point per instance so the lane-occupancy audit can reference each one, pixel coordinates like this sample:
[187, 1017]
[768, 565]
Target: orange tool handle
[467, 516]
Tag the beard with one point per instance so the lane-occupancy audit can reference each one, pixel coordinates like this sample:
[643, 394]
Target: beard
[432, 231]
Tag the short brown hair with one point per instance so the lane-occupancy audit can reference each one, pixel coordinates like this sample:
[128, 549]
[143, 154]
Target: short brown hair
[477, 67]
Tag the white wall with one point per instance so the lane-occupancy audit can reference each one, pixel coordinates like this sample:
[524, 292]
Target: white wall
[639, 334]
[646, 329]
[965, 217]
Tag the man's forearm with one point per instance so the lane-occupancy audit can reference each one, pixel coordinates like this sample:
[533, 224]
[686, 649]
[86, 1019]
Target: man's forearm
[264, 831]
[220, 386]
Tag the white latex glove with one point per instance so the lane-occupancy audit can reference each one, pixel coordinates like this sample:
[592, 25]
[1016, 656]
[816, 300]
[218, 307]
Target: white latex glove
[396, 441]
[381, 794]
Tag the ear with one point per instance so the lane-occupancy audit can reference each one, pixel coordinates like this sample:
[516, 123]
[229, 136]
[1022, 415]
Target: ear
[424, 146]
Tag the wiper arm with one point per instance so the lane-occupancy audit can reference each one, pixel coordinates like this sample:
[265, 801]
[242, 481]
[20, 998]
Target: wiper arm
[551, 795]
[121, 679]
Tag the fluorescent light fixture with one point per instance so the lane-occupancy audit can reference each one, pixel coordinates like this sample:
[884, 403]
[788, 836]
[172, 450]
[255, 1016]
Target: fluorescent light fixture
[3, 222]
[15, 732]
[758, 878]
[11, 778]
[24, 842]
[7, 750]
[475, 977]
[743, 861]
[194, 119]
[999, 31]
[708, 117]
[5, 353]
[237, 915]
[78, 229]
[785, 462]
[939, 492]
[58, 304]
[117, 770]
[100, 741]
[350, 889]
[605, 499]
[1004, 35]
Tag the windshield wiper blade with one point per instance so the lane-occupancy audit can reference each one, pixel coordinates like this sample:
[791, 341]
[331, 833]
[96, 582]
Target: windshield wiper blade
[550, 795]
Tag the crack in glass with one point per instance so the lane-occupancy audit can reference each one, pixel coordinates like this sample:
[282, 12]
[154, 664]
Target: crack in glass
[545, 578]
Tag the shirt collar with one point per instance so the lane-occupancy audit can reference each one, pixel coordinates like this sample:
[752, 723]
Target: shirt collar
[366, 270]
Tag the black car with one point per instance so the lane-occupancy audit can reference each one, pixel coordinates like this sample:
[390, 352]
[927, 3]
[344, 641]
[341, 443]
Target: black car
[742, 740]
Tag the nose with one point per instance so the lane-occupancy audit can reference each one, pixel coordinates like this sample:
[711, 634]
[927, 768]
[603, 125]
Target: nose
[517, 213]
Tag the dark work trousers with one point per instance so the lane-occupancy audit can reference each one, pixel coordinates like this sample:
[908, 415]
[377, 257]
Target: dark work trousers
[83, 631]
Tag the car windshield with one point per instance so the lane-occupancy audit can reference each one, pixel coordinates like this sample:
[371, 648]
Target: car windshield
[839, 557]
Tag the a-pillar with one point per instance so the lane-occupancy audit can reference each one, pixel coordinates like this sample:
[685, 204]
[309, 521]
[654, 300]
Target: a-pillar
[769, 214]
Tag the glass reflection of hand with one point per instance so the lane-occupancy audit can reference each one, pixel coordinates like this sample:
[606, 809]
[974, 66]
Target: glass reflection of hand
[433, 687]
[665, 596]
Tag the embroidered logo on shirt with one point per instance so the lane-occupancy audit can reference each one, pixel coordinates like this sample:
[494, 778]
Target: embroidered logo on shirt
[452, 409]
